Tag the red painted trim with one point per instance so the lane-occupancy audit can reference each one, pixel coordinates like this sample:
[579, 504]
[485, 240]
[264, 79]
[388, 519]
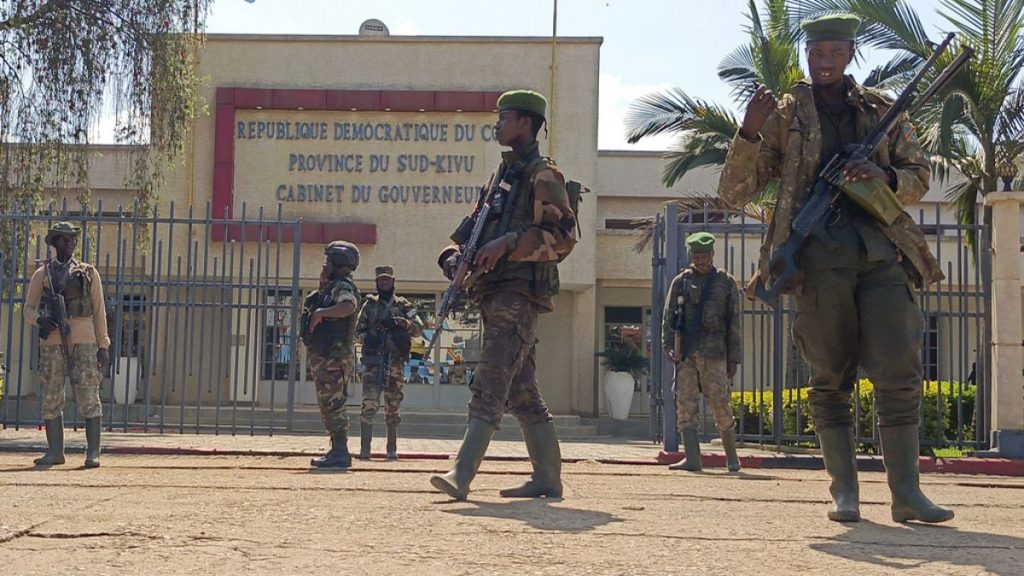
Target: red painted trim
[231, 99]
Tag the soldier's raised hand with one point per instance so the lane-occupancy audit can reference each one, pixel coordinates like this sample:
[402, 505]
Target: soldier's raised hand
[760, 107]
[102, 358]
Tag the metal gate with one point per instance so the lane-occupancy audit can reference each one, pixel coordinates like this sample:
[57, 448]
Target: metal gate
[769, 390]
[202, 313]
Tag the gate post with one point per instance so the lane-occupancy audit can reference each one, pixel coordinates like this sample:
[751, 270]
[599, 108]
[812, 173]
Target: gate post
[1007, 340]
[671, 434]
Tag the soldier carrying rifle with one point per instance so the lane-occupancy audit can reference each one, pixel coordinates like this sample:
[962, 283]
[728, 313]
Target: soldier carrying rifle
[387, 323]
[65, 300]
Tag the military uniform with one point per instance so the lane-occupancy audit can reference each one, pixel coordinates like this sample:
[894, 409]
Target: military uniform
[331, 355]
[80, 285]
[539, 229]
[854, 301]
[384, 340]
[707, 319]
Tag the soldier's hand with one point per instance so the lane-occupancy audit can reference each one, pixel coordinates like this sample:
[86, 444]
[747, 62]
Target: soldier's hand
[672, 356]
[102, 358]
[760, 107]
[314, 320]
[730, 370]
[47, 323]
[488, 256]
[864, 169]
[450, 265]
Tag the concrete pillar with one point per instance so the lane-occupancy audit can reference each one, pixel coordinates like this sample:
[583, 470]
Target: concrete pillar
[1007, 338]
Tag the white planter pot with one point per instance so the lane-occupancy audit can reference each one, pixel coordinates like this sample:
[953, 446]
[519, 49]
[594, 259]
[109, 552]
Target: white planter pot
[121, 379]
[618, 393]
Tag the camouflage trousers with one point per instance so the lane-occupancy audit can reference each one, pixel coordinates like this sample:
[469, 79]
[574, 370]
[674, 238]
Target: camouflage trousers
[698, 375]
[393, 394]
[505, 379]
[85, 380]
[331, 376]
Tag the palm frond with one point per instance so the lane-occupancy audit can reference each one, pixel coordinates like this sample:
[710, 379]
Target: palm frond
[658, 113]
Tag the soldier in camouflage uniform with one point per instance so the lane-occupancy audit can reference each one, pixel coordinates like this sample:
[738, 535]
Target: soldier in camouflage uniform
[704, 320]
[79, 283]
[855, 306]
[329, 316]
[514, 278]
[386, 325]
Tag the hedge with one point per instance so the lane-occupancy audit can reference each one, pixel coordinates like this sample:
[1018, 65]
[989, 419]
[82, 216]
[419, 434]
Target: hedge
[747, 405]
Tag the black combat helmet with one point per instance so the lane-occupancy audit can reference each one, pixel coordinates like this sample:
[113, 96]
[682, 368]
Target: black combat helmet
[343, 254]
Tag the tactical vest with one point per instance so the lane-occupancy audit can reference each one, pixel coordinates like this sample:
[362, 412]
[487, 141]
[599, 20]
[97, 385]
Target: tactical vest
[542, 276]
[77, 290]
[379, 311]
[331, 333]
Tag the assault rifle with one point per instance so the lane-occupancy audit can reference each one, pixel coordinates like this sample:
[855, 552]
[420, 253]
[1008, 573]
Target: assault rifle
[384, 353]
[819, 208]
[58, 310]
[468, 235]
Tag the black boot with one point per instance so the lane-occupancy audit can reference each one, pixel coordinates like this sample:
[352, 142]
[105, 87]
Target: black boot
[54, 443]
[691, 444]
[92, 441]
[474, 445]
[392, 445]
[365, 438]
[732, 459]
[546, 458]
[839, 451]
[337, 456]
[900, 450]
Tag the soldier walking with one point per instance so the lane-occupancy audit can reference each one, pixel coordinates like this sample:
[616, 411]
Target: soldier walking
[73, 341]
[700, 333]
[854, 301]
[387, 323]
[328, 331]
[514, 278]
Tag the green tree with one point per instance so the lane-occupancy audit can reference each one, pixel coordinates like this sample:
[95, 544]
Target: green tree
[64, 64]
[705, 129]
[975, 128]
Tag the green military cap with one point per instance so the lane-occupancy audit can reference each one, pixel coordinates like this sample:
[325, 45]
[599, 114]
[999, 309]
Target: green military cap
[384, 271]
[701, 242]
[525, 100]
[62, 229]
[831, 27]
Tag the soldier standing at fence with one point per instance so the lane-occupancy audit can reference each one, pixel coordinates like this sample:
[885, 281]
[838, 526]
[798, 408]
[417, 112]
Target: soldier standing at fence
[700, 333]
[328, 331]
[514, 279]
[387, 323]
[80, 352]
[854, 302]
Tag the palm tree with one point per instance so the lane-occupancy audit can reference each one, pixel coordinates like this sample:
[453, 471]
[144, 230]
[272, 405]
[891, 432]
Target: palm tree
[976, 126]
[706, 129]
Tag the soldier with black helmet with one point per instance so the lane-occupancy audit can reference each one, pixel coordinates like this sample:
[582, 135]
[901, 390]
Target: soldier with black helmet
[328, 331]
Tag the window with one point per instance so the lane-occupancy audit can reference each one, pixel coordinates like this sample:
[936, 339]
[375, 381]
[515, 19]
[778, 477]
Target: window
[626, 323]
[279, 339]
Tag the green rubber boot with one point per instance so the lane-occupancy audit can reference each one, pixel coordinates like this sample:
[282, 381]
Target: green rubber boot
[365, 439]
[900, 450]
[93, 428]
[838, 450]
[392, 443]
[732, 459]
[691, 444]
[546, 458]
[54, 443]
[474, 445]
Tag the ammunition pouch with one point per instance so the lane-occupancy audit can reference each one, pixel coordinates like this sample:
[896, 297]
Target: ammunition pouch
[371, 342]
[371, 357]
[545, 283]
[401, 339]
[875, 197]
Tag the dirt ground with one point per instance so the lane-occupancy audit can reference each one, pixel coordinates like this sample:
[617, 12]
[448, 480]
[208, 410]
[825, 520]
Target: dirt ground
[266, 515]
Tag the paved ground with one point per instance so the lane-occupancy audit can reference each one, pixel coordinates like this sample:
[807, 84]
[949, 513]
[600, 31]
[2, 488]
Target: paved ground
[258, 514]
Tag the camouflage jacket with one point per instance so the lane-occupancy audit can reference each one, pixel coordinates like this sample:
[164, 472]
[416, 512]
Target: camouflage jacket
[789, 150]
[375, 310]
[720, 335]
[335, 337]
[538, 236]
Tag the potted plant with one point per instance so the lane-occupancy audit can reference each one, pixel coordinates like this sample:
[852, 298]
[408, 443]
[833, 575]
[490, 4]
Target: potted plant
[624, 364]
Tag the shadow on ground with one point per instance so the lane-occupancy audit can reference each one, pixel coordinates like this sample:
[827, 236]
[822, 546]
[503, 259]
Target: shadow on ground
[540, 513]
[900, 547]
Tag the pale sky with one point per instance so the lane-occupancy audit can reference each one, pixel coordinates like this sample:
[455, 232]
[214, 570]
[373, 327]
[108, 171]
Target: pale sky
[648, 44]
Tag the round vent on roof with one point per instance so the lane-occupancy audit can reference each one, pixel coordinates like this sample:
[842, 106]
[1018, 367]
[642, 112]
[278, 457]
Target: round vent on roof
[373, 27]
